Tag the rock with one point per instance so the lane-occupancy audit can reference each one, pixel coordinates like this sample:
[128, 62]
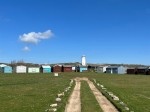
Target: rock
[126, 108]
[61, 94]
[115, 98]
[71, 81]
[101, 86]
[94, 80]
[46, 110]
[53, 105]
[98, 84]
[56, 74]
[52, 110]
[122, 103]
[69, 87]
[66, 90]
[58, 99]
[110, 94]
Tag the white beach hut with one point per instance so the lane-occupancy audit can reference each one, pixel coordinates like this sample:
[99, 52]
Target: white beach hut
[21, 69]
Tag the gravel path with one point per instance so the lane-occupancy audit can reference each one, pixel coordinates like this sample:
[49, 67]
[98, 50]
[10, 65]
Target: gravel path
[74, 103]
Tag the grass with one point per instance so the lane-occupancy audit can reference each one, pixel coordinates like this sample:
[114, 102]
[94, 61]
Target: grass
[88, 100]
[35, 92]
[134, 90]
[30, 92]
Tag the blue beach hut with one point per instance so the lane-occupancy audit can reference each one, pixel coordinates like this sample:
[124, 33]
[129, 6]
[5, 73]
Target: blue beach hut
[45, 69]
[7, 69]
[82, 68]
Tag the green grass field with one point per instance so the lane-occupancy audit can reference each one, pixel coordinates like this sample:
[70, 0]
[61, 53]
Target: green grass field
[134, 90]
[35, 92]
[27, 92]
[88, 100]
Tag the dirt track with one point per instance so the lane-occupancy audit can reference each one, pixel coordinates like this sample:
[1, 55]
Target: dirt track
[74, 103]
[105, 104]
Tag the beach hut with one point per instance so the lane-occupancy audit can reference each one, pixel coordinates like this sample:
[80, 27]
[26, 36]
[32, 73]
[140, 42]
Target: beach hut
[73, 69]
[132, 71]
[1, 66]
[138, 70]
[116, 69]
[67, 68]
[33, 70]
[6, 69]
[148, 71]
[45, 69]
[142, 70]
[21, 69]
[82, 68]
[92, 68]
[101, 69]
[57, 68]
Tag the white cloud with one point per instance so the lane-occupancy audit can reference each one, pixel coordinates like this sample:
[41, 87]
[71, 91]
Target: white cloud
[34, 37]
[26, 48]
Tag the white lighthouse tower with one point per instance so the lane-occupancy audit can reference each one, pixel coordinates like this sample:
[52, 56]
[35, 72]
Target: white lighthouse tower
[83, 59]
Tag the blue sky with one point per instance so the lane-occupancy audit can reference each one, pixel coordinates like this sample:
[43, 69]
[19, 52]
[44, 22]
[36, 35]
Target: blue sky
[53, 31]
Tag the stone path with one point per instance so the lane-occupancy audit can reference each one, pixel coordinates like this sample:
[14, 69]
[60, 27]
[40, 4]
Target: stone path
[74, 103]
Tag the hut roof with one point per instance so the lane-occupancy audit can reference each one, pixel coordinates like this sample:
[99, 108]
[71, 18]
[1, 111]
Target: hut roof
[81, 66]
[113, 66]
[57, 65]
[142, 67]
[46, 66]
[67, 66]
[2, 65]
[33, 67]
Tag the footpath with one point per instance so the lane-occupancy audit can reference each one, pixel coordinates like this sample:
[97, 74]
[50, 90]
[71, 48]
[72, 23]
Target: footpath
[74, 103]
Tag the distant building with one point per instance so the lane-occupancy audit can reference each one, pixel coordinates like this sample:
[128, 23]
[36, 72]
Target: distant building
[92, 68]
[45, 69]
[101, 69]
[6, 69]
[57, 68]
[82, 69]
[83, 60]
[33, 70]
[132, 71]
[67, 68]
[73, 69]
[138, 70]
[21, 69]
[116, 70]
[142, 70]
[148, 72]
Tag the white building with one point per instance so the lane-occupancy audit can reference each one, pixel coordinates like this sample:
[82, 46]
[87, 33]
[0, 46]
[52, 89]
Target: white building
[33, 70]
[21, 69]
[83, 60]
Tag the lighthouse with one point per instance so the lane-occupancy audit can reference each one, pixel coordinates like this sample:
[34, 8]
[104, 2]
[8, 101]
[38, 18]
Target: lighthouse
[83, 60]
